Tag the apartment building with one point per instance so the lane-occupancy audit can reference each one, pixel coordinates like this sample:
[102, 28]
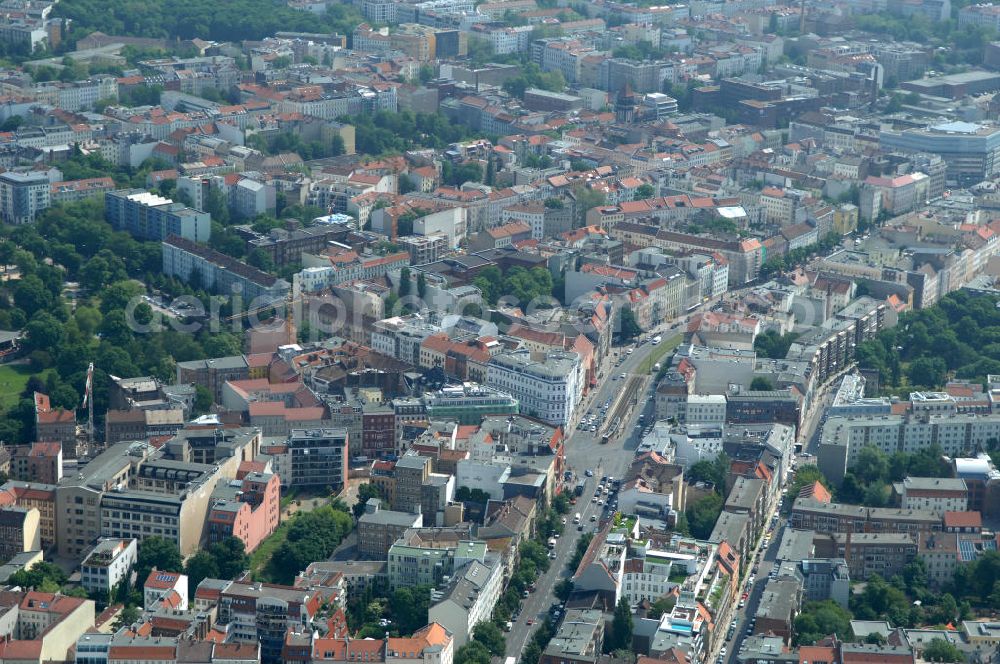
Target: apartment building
[148, 216]
[935, 494]
[19, 531]
[424, 556]
[214, 373]
[379, 528]
[36, 496]
[218, 273]
[263, 613]
[827, 517]
[24, 195]
[578, 640]
[43, 627]
[248, 509]
[140, 424]
[108, 564]
[885, 554]
[77, 190]
[548, 389]
[468, 599]
[38, 462]
[843, 438]
[318, 457]
[56, 425]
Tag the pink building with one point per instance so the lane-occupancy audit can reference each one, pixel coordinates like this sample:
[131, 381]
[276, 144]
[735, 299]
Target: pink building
[247, 509]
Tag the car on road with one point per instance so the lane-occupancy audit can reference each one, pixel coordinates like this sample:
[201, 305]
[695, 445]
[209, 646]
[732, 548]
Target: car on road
[622, 376]
[588, 472]
[525, 596]
[593, 499]
[529, 622]
[564, 521]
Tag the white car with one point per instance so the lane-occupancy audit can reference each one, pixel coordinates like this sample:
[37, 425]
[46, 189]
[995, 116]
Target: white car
[588, 472]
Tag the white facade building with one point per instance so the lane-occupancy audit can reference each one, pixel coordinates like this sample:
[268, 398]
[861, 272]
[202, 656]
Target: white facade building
[468, 600]
[109, 563]
[549, 389]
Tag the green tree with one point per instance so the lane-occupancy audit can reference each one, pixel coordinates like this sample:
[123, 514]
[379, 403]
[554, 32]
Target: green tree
[404, 282]
[472, 652]
[806, 475]
[644, 191]
[773, 345]
[201, 566]
[939, 650]
[702, 514]
[421, 285]
[489, 283]
[230, 557]
[128, 616]
[366, 491]
[761, 383]
[820, 619]
[155, 551]
[630, 327]
[661, 606]
[202, 399]
[621, 628]
[491, 637]
[261, 260]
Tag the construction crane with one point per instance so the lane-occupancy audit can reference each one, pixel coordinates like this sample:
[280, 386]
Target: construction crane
[88, 403]
[290, 300]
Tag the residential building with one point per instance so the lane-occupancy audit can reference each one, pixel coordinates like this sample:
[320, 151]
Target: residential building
[108, 564]
[578, 640]
[842, 438]
[19, 531]
[218, 273]
[885, 554]
[424, 556]
[825, 579]
[165, 588]
[378, 529]
[151, 217]
[548, 389]
[468, 599]
[934, 494]
[23, 195]
[827, 517]
[318, 457]
[248, 509]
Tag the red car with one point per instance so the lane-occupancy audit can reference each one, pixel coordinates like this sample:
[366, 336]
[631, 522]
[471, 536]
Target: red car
[530, 622]
[745, 595]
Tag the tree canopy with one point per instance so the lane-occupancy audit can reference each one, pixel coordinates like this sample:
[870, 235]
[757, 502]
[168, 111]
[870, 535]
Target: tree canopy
[233, 20]
[959, 336]
[820, 619]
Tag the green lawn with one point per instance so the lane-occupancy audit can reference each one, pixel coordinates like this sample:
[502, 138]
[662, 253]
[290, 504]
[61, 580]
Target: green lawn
[659, 351]
[13, 378]
[262, 554]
